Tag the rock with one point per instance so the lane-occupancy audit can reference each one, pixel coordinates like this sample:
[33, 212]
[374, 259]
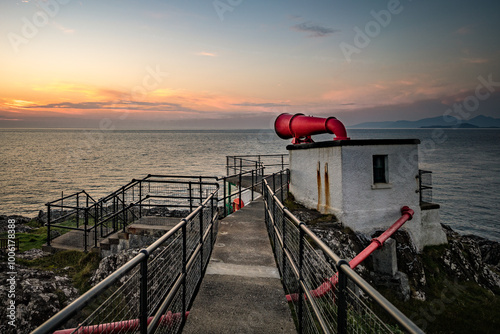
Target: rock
[32, 254]
[472, 258]
[38, 296]
[21, 222]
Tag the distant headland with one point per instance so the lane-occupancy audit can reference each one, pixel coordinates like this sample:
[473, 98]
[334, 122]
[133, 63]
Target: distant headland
[477, 122]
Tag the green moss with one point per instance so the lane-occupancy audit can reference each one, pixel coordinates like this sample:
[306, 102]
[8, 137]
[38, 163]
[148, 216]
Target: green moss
[452, 305]
[79, 266]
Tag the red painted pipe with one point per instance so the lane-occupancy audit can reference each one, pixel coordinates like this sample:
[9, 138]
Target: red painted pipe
[301, 128]
[323, 289]
[121, 326]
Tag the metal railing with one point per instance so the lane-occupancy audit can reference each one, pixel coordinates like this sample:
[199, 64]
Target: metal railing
[425, 186]
[152, 195]
[240, 163]
[245, 174]
[306, 263]
[152, 292]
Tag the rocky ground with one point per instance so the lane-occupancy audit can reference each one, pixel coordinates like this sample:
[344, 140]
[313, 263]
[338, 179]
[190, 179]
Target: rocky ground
[40, 294]
[466, 257]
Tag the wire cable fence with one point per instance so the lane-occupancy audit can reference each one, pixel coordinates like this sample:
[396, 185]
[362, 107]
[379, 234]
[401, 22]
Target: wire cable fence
[325, 294]
[152, 292]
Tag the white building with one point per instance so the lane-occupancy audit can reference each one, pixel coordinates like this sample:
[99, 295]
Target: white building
[365, 183]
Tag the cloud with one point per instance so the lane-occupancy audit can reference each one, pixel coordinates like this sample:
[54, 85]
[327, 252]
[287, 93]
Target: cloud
[62, 28]
[475, 60]
[207, 54]
[465, 30]
[314, 29]
[267, 105]
[114, 105]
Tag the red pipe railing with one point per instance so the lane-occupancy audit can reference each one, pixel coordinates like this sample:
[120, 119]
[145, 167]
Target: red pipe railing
[121, 326]
[328, 285]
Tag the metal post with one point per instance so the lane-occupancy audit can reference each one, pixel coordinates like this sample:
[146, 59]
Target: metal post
[62, 203]
[184, 273]
[77, 210]
[252, 183]
[342, 299]
[281, 186]
[48, 224]
[283, 237]
[190, 197]
[227, 165]
[225, 194]
[239, 192]
[282, 164]
[140, 199]
[143, 316]
[212, 221]
[96, 210]
[274, 183]
[85, 229]
[301, 278]
[202, 264]
[201, 191]
[123, 208]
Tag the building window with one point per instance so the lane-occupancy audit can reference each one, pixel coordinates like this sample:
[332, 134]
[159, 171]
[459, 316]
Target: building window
[380, 169]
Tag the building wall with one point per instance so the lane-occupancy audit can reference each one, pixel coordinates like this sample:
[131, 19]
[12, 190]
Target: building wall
[339, 180]
[316, 178]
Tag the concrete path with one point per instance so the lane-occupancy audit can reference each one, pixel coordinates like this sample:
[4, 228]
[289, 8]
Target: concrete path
[241, 291]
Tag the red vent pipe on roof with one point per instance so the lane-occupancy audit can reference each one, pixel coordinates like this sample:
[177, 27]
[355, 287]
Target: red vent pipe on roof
[328, 285]
[301, 127]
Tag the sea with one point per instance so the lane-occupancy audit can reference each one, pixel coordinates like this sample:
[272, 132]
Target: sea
[39, 165]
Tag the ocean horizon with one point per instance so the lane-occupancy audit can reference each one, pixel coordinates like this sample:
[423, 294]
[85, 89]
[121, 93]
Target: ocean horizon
[38, 165]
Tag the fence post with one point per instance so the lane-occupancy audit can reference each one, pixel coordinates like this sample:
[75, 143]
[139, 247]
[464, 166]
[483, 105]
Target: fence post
[143, 316]
[190, 197]
[239, 191]
[281, 186]
[225, 195]
[123, 208]
[252, 183]
[85, 228]
[77, 210]
[283, 237]
[184, 273]
[301, 277]
[48, 224]
[96, 220]
[342, 298]
[140, 198]
[201, 241]
[212, 221]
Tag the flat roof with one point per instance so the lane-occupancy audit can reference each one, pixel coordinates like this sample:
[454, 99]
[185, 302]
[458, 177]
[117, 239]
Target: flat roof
[353, 142]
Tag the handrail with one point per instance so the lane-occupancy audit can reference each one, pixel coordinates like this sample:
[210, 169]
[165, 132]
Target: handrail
[344, 269]
[65, 314]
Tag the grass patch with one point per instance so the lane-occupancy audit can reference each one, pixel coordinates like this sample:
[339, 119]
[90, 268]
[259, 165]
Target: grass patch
[79, 266]
[452, 306]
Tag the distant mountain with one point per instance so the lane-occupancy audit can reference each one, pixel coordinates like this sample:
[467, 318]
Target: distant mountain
[433, 122]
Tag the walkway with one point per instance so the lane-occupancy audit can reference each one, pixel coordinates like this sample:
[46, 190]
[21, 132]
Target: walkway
[241, 291]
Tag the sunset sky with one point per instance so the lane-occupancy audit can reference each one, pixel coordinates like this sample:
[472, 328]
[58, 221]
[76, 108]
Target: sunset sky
[180, 64]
